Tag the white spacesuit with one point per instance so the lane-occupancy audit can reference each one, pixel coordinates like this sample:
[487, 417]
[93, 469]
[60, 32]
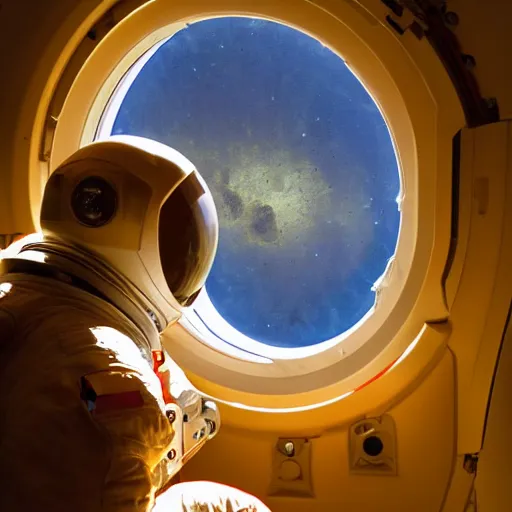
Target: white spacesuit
[94, 415]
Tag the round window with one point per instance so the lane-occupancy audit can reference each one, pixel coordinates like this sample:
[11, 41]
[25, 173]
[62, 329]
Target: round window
[302, 167]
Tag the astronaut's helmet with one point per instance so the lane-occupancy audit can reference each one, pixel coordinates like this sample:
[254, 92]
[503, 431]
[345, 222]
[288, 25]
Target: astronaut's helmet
[143, 209]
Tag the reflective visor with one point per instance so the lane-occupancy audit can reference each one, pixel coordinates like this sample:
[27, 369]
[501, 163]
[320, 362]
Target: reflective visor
[188, 234]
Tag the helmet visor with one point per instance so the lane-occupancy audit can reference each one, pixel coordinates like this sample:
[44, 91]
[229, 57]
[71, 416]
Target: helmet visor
[188, 234]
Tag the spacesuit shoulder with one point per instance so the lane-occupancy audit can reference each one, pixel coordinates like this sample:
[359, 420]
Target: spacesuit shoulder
[102, 445]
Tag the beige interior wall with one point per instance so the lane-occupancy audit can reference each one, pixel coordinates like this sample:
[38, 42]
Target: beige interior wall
[425, 430]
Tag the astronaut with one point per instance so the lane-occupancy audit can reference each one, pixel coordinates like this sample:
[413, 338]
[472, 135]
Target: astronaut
[95, 416]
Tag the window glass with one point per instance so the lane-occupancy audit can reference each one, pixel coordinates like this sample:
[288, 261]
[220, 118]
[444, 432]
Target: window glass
[300, 163]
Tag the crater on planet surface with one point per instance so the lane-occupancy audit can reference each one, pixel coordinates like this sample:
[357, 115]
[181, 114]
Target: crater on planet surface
[234, 203]
[263, 222]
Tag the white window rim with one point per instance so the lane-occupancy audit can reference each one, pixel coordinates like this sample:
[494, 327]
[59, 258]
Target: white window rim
[227, 338]
[226, 335]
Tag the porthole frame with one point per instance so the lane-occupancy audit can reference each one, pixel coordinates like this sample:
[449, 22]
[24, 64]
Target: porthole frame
[420, 105]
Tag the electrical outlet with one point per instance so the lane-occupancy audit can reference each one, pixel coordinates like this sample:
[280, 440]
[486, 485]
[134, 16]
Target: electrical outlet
[291, 469]
[372, 446]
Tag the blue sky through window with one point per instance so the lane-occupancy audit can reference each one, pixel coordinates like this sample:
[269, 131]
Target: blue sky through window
[300, 163]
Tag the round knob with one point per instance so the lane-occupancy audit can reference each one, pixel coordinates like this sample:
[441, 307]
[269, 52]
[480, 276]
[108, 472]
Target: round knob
[289, 471]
